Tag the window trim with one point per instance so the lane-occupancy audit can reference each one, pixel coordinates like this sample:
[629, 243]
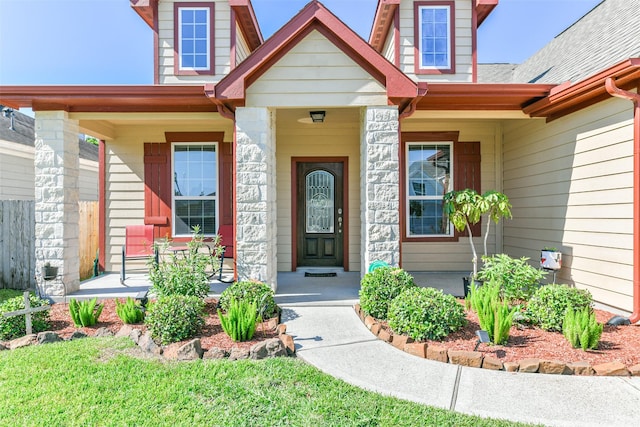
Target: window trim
[417, 39]
[179, 71]
[216, 197]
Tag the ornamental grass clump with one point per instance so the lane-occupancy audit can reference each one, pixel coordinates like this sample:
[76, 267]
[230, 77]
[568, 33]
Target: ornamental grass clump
[85, 313]
[379, 287]
[130, 311]
[549, 304]
[257, 293]
[581, 329]
[425, 314]
[240, 321]
[14, 327]
[494, 314]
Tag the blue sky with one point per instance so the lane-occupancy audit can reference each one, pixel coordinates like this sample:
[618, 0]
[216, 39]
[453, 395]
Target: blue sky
[105, 42]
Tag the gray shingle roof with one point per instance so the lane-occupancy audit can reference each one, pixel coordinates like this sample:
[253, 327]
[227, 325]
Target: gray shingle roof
[24, 133]
[608, 34]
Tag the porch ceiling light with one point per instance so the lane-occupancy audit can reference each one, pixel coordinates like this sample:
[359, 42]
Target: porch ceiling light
[317, 116]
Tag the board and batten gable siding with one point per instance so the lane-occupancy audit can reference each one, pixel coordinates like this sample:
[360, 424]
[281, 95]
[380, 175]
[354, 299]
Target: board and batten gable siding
[329, 139]
[463, 44]
[242, 48]
[221, 56]
[315, 73]
[456, 256]
[571, 185]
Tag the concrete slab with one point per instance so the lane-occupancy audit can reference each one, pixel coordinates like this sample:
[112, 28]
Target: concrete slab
[294, 289]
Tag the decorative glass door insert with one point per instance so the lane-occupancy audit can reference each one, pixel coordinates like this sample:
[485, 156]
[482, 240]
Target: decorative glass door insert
[320, 202]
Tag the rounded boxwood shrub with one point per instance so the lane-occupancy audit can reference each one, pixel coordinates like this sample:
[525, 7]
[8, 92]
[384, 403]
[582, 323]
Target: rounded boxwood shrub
[425, 314]
[174, 318]
[251, 292]
[14, 327]
[379, 287]
[548, 305]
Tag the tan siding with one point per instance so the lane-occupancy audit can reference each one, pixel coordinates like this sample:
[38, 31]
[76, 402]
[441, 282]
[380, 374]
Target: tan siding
[389, 48]
[242, 48]
[456, 256]
[570, 182]
[315, 73]
[166, 45]
[463, 44]
[330, 139]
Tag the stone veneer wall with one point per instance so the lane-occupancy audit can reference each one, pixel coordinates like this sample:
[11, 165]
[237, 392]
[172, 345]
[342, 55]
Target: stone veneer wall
[57, 169]
[380, 188]
[256, 221]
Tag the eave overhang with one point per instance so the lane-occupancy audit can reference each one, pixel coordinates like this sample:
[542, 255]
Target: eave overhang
[382, 21]
[480, 96]
[484, 9]
[231, 90]
[147, 9]
[76, 99]
[568, 98]
[246, 18]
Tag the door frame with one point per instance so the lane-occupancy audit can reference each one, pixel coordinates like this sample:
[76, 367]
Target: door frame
[294, 204]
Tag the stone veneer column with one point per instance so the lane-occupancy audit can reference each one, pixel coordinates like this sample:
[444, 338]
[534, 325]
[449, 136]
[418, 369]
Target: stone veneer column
[56, 163]
[379, 186]
[256, 225]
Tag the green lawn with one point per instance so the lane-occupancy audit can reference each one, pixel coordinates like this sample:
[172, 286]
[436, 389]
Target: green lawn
[74, 383]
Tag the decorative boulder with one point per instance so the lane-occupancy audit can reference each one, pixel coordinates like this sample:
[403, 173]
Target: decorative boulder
[191, 351]
[48, 337]
[77, 335]
[215, 353]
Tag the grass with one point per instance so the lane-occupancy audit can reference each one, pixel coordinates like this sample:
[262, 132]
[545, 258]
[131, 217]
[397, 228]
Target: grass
[73, 383]
[5, 294]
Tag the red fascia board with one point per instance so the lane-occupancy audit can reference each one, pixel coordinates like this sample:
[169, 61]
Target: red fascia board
[147, 9]
[382, 22]
[314, 16]
[587, 92]
[484, 9]
[480, 96]
[248, 22]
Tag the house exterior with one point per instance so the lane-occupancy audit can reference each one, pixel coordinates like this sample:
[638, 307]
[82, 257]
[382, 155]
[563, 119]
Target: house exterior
[16, 160]
[225, 137]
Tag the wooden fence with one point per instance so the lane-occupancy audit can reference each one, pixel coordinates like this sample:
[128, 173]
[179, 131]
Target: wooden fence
[17, 242]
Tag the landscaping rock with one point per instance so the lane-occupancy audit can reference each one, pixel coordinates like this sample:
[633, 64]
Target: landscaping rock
[375, 328]
[580, 368]
[48, 337]
[472, 359]
[147, 344]
[238, 354]
[25, 341]
[529, 365]
[2, 347]
[191, 350]
[437, 353]
[77, 335]
[417, 349]
[357, 308]
[399, 341]
[369, 321]
[635, 370]
[272, 324]
[511, 366]
[554, 367]
[269, 348]
[611, 369]
[281, 329]
[214, 353]
[385, 335]
[493, 363]
[287, 340]
[103, 332]
[125, 331]
[135, 335]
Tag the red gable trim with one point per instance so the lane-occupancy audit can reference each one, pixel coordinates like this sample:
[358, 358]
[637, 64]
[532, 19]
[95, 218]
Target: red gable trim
[481, 96]
[232, 88]
[484, 8]
[382, 22]
[246, 18]
[147, 9]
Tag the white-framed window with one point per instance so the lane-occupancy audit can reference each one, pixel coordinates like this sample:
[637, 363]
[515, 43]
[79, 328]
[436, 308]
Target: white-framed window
[429, 172]
[194, 30]
[434, 37]
[194, 168]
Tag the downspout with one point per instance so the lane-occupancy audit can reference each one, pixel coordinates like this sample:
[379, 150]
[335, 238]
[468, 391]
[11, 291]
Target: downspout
[223, 110]
[412, 106]
[613, 90]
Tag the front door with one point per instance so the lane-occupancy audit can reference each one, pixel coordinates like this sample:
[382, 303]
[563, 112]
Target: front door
[320, 214]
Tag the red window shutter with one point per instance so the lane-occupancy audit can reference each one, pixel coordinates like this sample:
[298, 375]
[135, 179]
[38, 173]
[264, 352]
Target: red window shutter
[226, 184]
[467, 173]
[157, 187]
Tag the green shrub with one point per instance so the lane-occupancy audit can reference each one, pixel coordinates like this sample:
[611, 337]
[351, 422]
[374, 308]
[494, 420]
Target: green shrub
[174, 318]
[494, 314]
[581, 329]
[253, 292]
[549, 305]
[379, 287]
[425, 313]
[240, 321]
[182, 273]
[5, 294]
[15, 327]
[129, 311]
[517, 279]
[85, 313]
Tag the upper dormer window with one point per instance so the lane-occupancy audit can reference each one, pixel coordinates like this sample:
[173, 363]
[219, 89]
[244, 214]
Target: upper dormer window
[194, 38]
[434, 23]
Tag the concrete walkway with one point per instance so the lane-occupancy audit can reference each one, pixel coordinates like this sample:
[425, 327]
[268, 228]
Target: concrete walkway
[329, 335]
